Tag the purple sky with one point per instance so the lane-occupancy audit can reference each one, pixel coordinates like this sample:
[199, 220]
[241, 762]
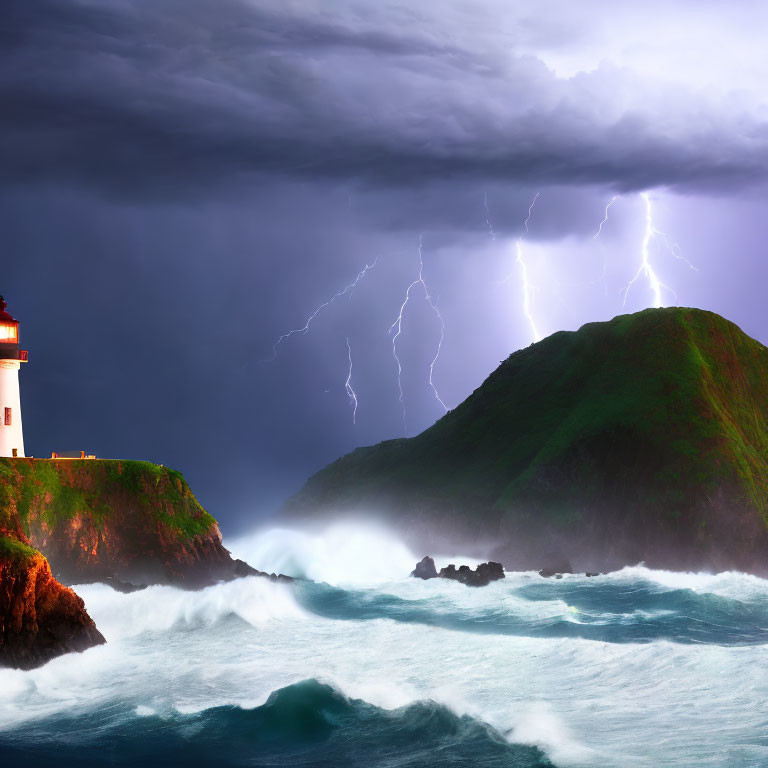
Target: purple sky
[186, 180]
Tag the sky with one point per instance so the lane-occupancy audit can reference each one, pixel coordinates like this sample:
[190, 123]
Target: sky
[187, 181]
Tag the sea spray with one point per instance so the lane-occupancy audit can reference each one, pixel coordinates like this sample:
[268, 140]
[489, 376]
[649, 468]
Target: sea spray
[343, 554]
[158, 609]
[647, 676]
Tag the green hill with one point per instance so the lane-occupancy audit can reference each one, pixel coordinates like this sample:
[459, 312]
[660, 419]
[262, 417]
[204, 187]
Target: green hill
[643, 438]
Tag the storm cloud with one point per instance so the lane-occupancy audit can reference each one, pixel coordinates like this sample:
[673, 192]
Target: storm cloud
[168, 97]
[184, 181]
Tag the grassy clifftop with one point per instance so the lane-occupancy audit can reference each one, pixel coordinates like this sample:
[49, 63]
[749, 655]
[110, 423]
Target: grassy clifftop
[643, 437]
[99, 519]
[12, 548]
[52, 493]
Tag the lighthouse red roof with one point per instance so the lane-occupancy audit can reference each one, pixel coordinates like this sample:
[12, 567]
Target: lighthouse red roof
[5, 317]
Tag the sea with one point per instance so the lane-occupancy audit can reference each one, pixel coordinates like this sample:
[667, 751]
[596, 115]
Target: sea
[356, 664]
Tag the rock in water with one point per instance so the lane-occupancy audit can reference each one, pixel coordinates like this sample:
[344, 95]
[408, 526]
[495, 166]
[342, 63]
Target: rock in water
[122, 586]
[556, 564]
[425, 569]
[490, 571]
[483, 575]
[39, 618]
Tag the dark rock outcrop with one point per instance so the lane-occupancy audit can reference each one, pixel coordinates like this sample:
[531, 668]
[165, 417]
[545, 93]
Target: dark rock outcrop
[483, 575]
[39, 617]
[281, 577]
[425, 569]
[122, 586]
[556, 563]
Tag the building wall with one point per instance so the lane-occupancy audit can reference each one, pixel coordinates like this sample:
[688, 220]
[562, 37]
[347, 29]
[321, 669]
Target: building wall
[10, 436]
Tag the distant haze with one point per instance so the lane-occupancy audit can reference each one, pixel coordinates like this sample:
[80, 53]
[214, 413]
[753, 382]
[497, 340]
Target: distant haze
[185, 181]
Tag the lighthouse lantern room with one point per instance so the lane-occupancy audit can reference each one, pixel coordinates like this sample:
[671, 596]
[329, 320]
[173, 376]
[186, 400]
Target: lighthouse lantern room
[11, 358]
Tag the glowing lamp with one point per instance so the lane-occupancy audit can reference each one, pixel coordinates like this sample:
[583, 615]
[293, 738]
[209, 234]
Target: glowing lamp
[9, 333]
[11, 359]
[9, 327]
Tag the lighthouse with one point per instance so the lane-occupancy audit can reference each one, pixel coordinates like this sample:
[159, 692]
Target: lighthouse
[11, 358]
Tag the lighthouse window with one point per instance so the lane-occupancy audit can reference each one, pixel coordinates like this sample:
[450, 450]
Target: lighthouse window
[8, 333]
[7, 417]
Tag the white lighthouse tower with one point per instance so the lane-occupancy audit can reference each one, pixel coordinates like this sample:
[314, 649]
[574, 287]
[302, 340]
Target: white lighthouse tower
[11, 358]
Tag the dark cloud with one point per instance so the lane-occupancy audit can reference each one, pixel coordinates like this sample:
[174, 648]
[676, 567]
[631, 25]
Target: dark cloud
[168, 98]
[185, 180]
[147, 324]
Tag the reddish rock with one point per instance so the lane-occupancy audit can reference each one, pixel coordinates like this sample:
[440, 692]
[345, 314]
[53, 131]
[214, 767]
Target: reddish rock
[127, 522]
[39, 618]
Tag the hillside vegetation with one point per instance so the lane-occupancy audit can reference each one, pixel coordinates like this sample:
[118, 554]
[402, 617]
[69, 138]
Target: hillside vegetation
[132, 521]
[641, 438]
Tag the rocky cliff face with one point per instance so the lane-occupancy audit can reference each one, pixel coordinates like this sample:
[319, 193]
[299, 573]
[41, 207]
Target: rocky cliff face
[39, 618]
[640, 439]
[128, 521]
[123, 522]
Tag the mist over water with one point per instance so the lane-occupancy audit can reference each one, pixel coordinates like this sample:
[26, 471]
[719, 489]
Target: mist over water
[339, 554]
[359, 665]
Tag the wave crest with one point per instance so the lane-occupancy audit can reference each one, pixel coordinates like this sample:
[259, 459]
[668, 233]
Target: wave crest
[305, 723]
[158, 609]
[343, 554]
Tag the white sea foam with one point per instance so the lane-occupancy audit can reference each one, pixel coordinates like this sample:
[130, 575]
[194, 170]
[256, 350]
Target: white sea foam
[344, 554]
[584, 702]
[157, 609]
[731, 584]
[498, 598]
[539, 726]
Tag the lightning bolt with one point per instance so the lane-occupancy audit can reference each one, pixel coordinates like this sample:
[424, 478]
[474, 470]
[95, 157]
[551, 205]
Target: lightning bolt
[520, 258]
[348, 289]
[597, 234]
[439, 349]
[646, 268]
[530, 211]
[488, 217]
[674, 249]
[398, 324]
[605, 218]
[348, 384]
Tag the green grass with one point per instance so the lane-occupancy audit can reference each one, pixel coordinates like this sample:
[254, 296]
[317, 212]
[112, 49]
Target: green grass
[13, 548]
[56, 491]
[671, 403]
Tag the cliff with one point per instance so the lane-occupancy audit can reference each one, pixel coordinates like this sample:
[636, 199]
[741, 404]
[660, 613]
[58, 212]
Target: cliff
[640, 439]
[124, 522]
[39, 618]
[128, 521]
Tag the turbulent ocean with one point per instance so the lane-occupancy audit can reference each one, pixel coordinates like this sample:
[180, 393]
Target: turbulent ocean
[359, 665]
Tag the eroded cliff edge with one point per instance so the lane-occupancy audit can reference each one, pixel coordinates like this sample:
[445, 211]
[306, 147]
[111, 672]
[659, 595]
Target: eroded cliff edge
[39, 617]
[129, 521]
